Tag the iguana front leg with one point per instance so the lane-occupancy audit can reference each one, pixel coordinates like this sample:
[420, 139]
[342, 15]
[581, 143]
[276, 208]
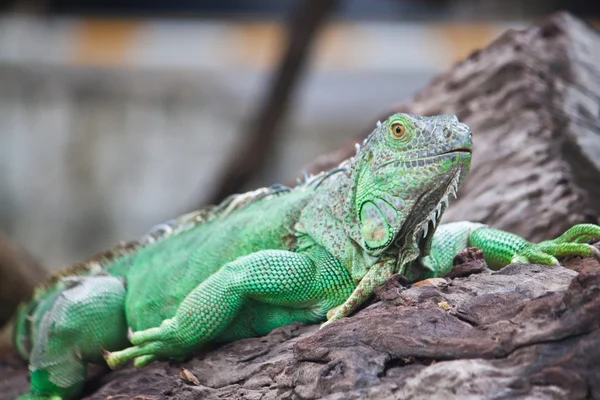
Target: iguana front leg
[501, 248]
[308, 285]
[376, 276]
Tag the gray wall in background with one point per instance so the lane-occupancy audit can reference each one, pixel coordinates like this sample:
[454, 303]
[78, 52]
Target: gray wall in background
[89, 157]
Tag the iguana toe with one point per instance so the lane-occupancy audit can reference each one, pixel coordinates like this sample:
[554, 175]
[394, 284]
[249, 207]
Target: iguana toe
[144, 360]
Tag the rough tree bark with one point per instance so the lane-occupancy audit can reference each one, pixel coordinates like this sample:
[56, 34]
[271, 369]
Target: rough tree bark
[527, 331]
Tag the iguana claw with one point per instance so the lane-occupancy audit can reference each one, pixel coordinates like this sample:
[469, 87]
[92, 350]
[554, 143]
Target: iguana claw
[129, 333]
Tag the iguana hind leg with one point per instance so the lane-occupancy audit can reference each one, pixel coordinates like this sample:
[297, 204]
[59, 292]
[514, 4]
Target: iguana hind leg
[311, 285]
[83, 320]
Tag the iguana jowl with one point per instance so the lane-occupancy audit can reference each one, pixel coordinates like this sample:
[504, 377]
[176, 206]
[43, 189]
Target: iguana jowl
[271, 257]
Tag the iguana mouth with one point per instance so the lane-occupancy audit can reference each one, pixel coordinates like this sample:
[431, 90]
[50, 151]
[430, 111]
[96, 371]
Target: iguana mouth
[430, 158]
[459, 150]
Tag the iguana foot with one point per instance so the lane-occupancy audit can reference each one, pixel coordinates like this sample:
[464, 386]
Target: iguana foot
[502, 248]
[571, 243]
[150, 345]
[375, 276]
[142, 354]
[333, 315]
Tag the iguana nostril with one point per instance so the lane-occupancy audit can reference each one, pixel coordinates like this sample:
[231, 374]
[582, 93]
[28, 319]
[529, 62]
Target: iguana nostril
[447, 133]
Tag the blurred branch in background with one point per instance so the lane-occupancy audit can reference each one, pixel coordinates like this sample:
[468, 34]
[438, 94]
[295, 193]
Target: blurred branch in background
[260, 139]
[19, 273]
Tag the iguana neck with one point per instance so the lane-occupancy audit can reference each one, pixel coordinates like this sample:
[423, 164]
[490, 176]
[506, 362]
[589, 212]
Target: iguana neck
[330, 220]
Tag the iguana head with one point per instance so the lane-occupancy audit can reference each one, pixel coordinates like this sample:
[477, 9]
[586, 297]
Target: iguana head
[404, 175]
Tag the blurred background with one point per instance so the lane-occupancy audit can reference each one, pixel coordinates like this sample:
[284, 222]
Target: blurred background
[118, 114]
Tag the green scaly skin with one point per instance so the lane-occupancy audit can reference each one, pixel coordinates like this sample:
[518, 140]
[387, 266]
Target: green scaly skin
[271, 257]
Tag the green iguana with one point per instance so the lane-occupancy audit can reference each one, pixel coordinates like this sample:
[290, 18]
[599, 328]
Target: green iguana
[271, 257]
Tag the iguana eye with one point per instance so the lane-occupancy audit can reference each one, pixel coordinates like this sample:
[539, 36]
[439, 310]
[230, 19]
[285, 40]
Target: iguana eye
[398, 130]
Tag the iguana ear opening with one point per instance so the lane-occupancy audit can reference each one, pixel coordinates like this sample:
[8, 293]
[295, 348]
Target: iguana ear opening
[375, 229]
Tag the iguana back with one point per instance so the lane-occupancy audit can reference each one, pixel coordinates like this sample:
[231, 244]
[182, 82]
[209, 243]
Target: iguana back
[159, 276]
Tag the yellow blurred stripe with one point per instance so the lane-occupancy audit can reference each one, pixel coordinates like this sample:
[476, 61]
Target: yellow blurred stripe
[257, 44]
[463, 39]
[336, 46]
[104, 42]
